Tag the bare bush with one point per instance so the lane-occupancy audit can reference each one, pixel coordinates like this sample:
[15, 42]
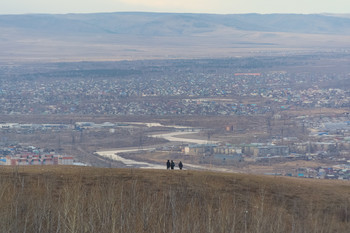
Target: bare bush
[122, 200]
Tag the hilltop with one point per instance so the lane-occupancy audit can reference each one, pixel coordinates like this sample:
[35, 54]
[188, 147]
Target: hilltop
[76, 199]
[137, 35]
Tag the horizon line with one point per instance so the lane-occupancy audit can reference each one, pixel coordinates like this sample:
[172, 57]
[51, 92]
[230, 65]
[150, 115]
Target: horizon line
[165, 12]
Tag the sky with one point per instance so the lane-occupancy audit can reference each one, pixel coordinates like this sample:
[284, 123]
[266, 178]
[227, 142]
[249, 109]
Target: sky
[179, 6]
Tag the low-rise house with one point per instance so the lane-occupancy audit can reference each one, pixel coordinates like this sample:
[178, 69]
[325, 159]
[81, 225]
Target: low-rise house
[199, 149]
[34, 159]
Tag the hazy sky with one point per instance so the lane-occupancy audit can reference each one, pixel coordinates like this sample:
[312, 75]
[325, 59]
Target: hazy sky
[195, 6]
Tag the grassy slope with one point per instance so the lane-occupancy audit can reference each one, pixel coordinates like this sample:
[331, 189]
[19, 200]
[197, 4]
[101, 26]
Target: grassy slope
[71, 199]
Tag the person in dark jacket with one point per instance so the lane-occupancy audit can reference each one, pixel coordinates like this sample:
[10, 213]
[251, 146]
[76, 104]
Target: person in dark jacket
[181, 165]
[172, 165]
[168, 164]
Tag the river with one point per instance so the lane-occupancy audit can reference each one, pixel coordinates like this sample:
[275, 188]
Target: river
[172, 137]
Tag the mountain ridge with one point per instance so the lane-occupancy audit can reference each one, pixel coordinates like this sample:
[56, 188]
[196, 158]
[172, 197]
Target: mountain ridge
[160, 24]
[139, 35]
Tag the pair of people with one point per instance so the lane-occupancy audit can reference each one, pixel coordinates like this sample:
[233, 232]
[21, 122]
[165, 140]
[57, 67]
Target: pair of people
[171, 165]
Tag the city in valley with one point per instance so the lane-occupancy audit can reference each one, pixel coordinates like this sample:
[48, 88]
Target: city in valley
[135, 121]
[271, 114]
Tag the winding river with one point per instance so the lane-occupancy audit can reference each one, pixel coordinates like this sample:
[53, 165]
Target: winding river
[172, 137]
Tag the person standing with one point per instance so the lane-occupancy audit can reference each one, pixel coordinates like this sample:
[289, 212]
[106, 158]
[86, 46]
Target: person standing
[168, 164]
[172, 165]
[181, 165]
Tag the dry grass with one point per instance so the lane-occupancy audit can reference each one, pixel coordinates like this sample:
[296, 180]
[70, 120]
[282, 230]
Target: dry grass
[318, 112]
[75, 199]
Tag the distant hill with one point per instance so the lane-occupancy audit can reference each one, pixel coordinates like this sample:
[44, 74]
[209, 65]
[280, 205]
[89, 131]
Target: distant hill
[131, 35]
[164, 24]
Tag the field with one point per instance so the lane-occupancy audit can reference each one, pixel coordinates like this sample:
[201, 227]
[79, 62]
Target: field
[85, 199]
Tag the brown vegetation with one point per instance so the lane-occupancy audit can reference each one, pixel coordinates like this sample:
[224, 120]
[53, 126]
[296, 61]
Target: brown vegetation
[75, 199]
